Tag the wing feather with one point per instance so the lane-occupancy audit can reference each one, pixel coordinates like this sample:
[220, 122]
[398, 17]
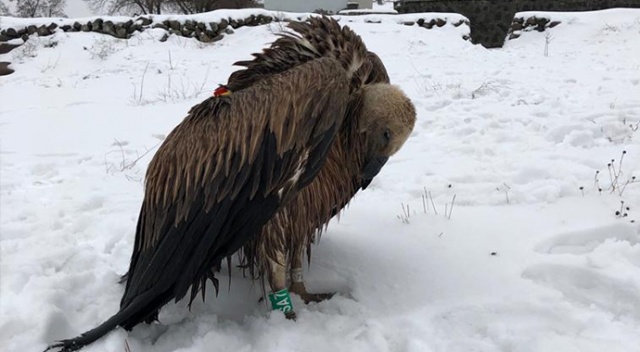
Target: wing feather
[224, 171]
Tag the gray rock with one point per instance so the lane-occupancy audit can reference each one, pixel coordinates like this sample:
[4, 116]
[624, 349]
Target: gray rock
[161, 26]
[186, 32]
[121, 31]
[553, 24]
[86, 27]
[190, 25]
[223, 24]
[96, 25]
[66, 28]
[77, 26]
[109, 28]
[43, 31]
[164, 38]
[459, 23]
[262, 19]
[32, 29]
[12, 33]
[213, 26]
[203, 37]
[229, 30]
[145, 21]
[134, 27]
[6, 47]
[5, 69]
[175, 25]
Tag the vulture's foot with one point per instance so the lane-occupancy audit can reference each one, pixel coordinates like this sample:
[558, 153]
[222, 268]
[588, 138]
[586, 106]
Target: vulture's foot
[299, 289]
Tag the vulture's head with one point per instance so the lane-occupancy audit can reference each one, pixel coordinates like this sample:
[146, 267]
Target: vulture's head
[387, 117]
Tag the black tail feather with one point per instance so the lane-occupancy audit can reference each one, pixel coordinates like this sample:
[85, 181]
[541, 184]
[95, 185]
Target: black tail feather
[143, 308]
[86, 338]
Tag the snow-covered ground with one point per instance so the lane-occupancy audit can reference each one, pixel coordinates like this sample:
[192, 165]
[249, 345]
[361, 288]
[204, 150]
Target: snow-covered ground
[522, 260]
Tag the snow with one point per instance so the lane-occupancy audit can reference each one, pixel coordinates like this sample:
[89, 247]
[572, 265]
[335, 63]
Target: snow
[522, 260]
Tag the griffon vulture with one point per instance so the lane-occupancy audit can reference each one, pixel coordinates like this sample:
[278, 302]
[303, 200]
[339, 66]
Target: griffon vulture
[231, 169]
[379, 121]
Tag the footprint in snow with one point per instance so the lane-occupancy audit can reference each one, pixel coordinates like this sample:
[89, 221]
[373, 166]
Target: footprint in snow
[581, 242]
[588, 285]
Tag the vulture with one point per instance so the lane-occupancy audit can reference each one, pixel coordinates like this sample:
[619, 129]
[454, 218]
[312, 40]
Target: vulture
[259, 167]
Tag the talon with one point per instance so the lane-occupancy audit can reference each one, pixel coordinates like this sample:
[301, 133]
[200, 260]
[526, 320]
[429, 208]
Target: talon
[299, 289]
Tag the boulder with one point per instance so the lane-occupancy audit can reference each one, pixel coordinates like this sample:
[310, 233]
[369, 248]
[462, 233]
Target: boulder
[43, 31]
[175, 25]
[144, 21]
[161, 26]
[12, 33]
[96, 25]
[223, 24]
[553, 24]
[109, 28]
[121, 31]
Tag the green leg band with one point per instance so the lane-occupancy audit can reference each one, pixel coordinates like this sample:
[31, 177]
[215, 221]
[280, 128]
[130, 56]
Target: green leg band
[281, 301]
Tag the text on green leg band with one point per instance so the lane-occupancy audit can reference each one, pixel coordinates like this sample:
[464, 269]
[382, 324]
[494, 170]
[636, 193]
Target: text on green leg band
[281, 301]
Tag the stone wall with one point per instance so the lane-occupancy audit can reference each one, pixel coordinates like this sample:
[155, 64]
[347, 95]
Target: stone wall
[202, 31]
[491, 19]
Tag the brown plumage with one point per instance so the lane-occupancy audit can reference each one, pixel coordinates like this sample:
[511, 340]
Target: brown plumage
[376, 108]
[236, 165]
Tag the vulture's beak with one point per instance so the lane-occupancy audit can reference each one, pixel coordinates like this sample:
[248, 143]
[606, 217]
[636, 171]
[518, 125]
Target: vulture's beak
[371, 168]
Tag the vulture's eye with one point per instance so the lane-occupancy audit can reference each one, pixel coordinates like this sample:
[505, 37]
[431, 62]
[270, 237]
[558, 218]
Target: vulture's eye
[387, 136]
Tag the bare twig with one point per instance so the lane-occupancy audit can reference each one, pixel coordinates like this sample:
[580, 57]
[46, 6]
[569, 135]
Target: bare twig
[451, 209]
[433, 204]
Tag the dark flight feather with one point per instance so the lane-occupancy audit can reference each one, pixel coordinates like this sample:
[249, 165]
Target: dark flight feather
[207, 192]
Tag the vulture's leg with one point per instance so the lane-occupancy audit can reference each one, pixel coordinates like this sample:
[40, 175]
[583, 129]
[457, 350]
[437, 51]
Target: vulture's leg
[297, 284]
[279, 295]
